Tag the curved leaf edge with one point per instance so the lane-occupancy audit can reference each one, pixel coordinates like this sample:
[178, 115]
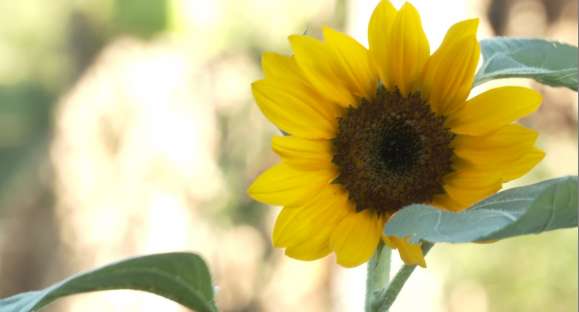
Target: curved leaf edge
[34, 300]
[540, 75]
[410, 214]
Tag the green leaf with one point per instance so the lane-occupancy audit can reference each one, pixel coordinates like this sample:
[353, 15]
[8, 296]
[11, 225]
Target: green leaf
[536, 208]
[548, 62]
[181, 277]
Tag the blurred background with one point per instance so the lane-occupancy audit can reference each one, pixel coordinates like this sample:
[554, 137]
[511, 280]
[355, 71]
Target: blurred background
[128, 128]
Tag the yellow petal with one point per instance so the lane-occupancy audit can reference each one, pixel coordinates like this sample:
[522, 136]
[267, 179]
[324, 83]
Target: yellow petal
[355, 239]
[318, 216]
[322, 69]
[445, 202]
[306, 230]
[501, 151]
[316, 221]
[379, 30]
[506, 141]
[312, 249]
[469, 196]
[304, 153]
[281, 67]
[283, 222]
[460, 30]
[494, 109]
[286, 185]
[410, 253]
[284, 72]
[354, 63]
[469, 184]
[449, 72]
[409, 49]
[291, 111]
[523, 165]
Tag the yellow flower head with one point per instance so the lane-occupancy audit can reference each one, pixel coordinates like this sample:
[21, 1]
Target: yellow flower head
[373, 130]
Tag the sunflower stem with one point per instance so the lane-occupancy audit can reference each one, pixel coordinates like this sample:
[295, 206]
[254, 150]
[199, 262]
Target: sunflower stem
[385, 298]
[377, 277]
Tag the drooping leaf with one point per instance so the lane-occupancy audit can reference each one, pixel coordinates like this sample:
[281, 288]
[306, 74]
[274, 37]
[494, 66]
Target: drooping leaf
[548, 62]
[181, 277]
[536, 208]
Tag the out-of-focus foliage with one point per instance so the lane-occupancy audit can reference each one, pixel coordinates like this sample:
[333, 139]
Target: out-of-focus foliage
[24, 123]
[140, 17]
[527, 273]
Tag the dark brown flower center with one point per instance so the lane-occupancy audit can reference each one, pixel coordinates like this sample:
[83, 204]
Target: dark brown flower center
[392, 151]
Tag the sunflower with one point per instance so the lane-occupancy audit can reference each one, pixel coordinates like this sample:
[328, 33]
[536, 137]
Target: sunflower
[370, 131]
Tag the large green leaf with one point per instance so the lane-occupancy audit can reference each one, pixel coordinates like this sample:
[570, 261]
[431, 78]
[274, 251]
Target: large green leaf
[181, 277]
[550, 63]
[536, 208]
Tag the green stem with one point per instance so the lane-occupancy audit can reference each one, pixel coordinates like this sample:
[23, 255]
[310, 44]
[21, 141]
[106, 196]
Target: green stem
[378, 276]
[386, 298]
